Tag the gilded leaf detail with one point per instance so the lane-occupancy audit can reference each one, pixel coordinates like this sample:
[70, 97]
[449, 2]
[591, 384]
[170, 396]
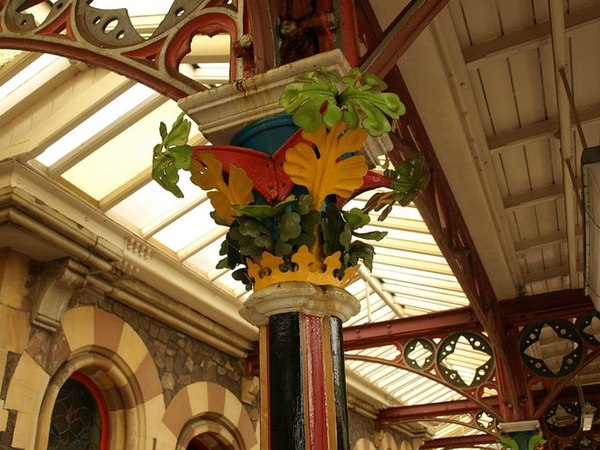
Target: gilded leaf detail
[208, 174]
[328, 173]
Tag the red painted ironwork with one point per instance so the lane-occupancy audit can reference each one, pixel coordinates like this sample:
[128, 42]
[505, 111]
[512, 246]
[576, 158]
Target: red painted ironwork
[515, 312]
[554, 388]
[459, 441]
[315, 374]
[349, 31]
[473, 394]
[398, 414]
[390, 332]
[69, 32]
[401, 33]
[260, 26]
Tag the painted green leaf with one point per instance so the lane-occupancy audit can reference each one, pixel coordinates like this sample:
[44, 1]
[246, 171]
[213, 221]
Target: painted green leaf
[308, 95]
[366, 106]
[356, 218]
[310, 220]
[332, 226]
[304, 204]
[371, 235]
[361, 250]
[256, 211]
[282, 248]
[307, 239]
[264, 241]
[179, 132]
[171, 155]
[289, 226]
[251, 227]
[162, 128]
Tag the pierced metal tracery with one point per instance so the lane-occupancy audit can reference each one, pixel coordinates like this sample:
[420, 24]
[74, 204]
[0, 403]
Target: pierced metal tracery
[76, 29]
[559, 333]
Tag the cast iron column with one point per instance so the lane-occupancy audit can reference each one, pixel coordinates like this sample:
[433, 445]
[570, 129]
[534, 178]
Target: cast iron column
[303, 387]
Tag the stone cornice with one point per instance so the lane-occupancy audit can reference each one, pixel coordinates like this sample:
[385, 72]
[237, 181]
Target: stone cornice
[45, 221]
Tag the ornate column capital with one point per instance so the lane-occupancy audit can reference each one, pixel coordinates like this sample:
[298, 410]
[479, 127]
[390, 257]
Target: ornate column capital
[299, 296]
[522, 435]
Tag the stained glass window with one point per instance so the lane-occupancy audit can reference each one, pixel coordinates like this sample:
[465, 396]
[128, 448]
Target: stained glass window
[76, 419]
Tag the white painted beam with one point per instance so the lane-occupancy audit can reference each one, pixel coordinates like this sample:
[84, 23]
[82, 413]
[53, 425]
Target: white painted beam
[527, 38]
[536, 131]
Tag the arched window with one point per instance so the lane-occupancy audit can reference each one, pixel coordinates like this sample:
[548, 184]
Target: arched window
[209, 441]
[79, 418]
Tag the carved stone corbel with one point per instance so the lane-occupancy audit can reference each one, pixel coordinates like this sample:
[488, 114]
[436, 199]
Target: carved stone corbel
[53, 291]
[250, 389]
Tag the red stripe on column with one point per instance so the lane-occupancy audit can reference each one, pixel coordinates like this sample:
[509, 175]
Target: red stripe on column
[316, 400]
[265, 421]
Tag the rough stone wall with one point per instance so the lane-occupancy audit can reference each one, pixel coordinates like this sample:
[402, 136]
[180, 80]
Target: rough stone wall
[180, 360]
[360, 427]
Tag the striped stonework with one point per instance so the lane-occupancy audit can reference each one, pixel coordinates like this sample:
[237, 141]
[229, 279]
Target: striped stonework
[210, 412]
[388, 442]
[110, 352]
[364, 444]
[405, 445]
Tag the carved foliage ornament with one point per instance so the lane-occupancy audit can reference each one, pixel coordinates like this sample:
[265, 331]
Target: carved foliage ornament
[298, 229]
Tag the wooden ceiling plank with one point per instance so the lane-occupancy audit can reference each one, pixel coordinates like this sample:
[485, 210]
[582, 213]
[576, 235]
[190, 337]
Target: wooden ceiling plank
[544, 240]
[526, 39]
[541, 130]
[530, 198]
[552, 272]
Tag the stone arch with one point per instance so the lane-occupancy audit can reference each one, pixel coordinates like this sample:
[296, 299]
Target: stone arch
[110, 353]
[364, 444]
[388, 442]
[206, 407]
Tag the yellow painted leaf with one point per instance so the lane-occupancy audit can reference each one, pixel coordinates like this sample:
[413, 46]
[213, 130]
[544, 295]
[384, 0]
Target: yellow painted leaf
[240, 187]
[208, 174]
[328, 174]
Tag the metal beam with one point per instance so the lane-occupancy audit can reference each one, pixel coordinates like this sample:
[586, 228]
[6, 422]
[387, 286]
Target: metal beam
[391, 416]
[459, 441]
[527, 38]
[401, 33]
[390, 332]
[515, 312]
[375, 284]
